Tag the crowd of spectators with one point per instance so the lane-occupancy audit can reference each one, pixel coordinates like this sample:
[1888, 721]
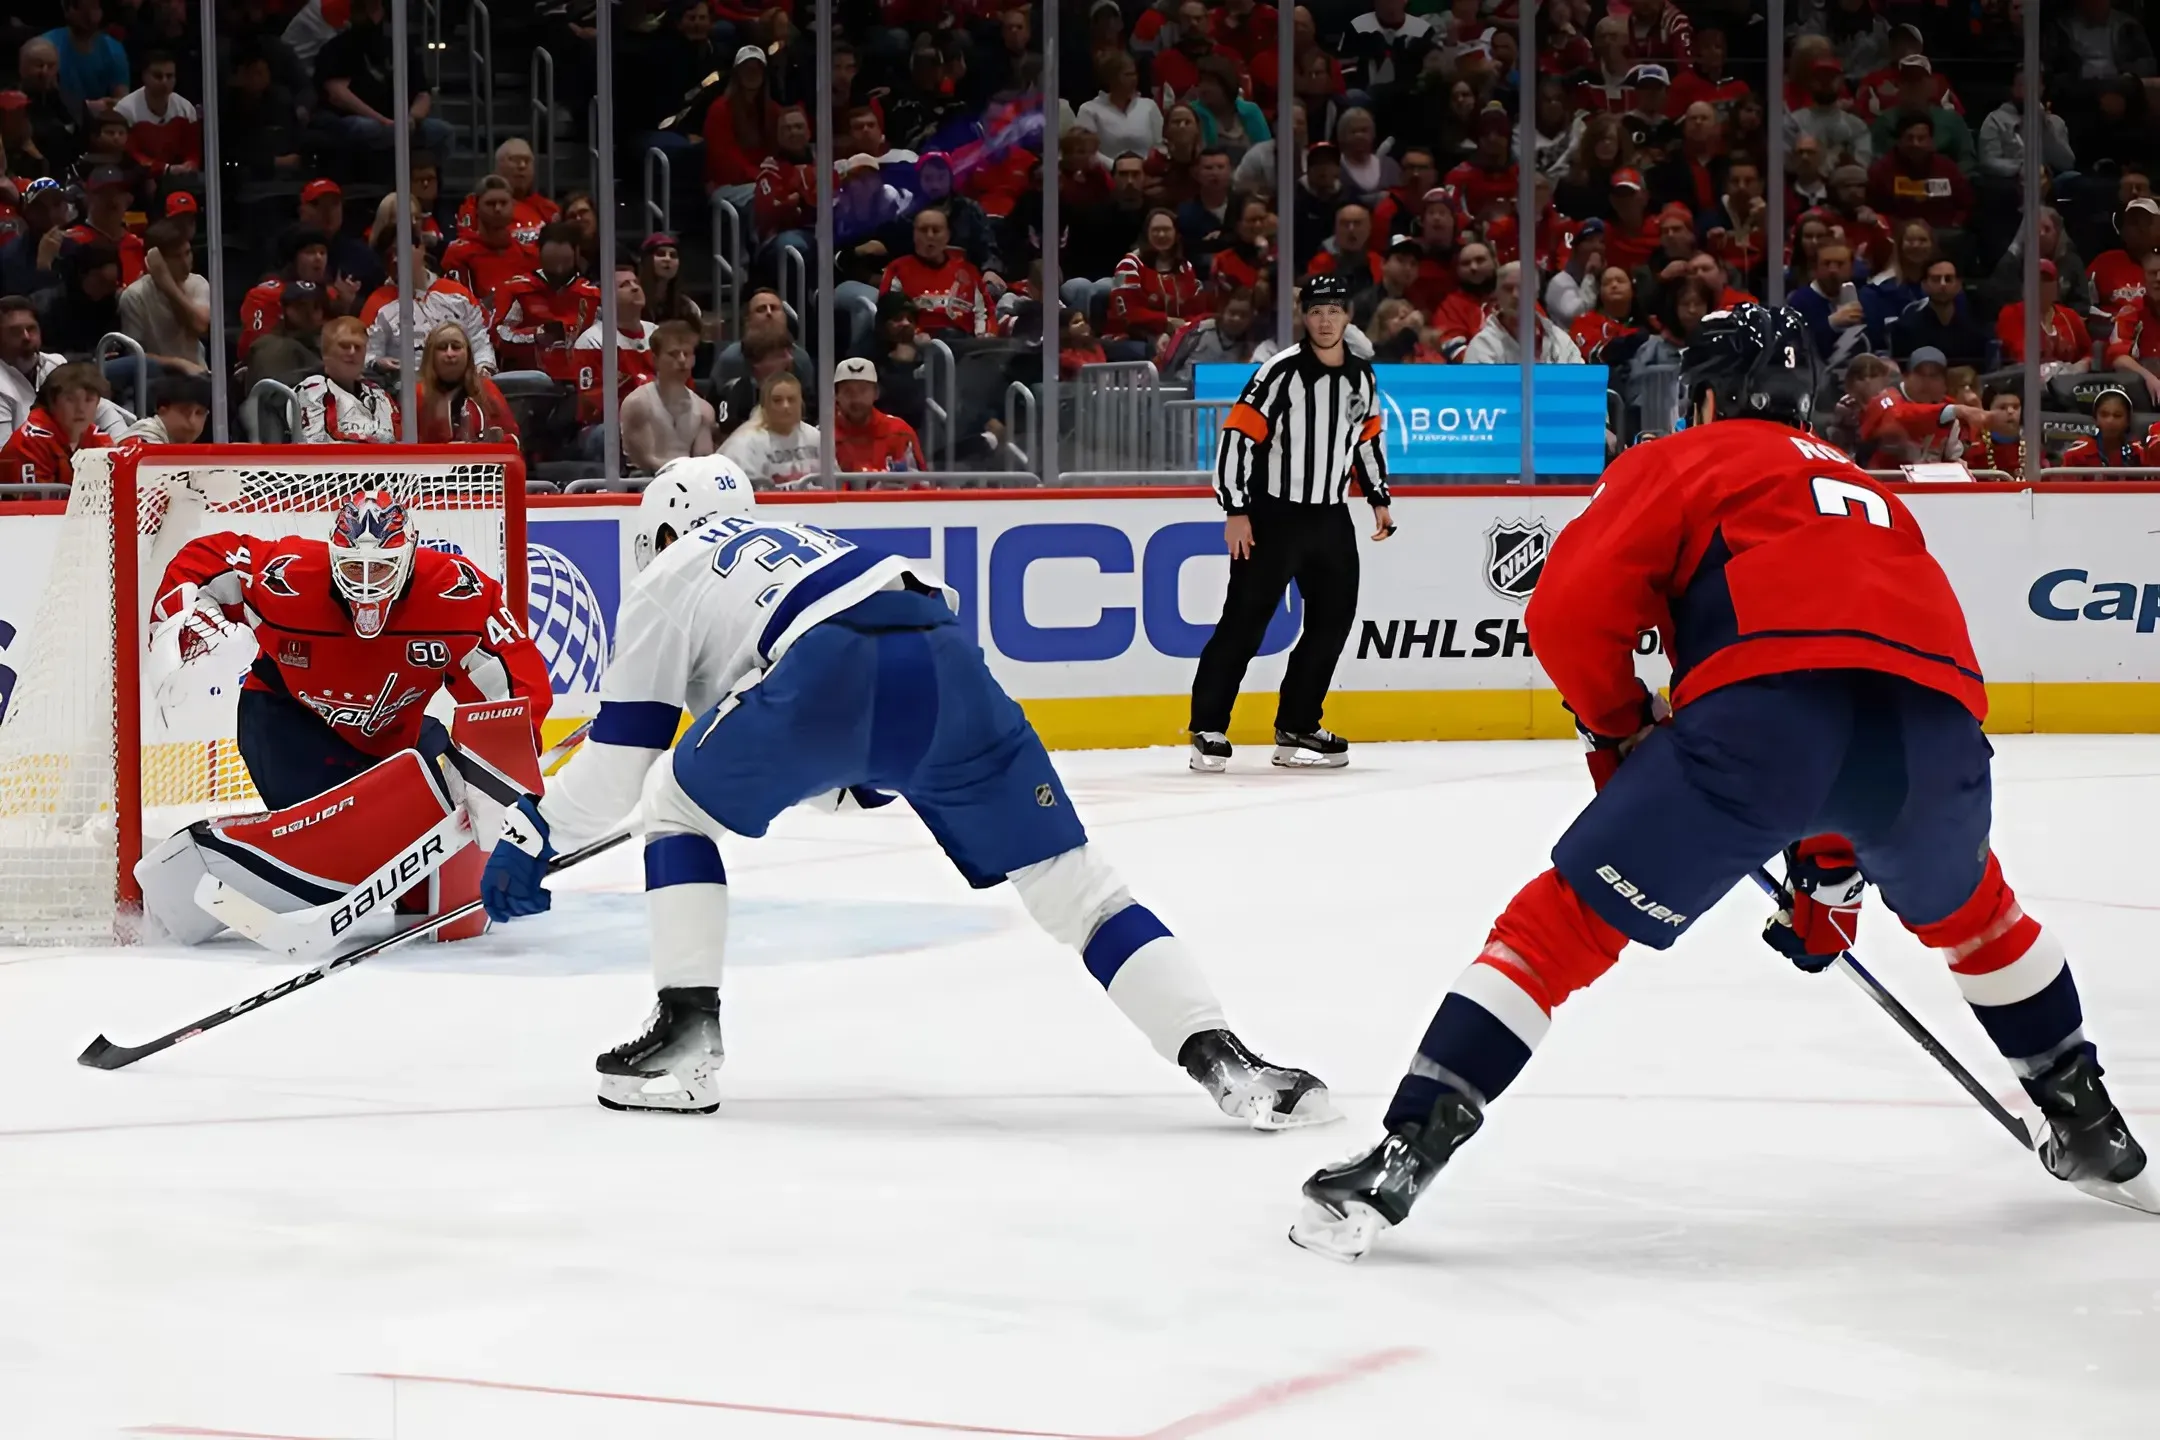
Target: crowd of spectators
[1900, 130]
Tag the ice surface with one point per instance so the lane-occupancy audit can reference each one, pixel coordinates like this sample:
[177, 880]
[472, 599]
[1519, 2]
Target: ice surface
[950, 1186]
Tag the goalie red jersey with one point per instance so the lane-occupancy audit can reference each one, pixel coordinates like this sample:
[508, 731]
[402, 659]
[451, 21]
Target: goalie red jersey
[368, 675]
[1753, 549]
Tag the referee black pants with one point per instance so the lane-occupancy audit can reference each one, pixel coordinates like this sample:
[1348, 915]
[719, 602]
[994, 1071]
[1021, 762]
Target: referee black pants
[1315, 545]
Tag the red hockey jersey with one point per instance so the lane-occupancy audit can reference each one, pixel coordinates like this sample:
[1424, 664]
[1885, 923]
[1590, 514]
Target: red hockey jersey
[38, 452]
[483, 268]
[948, 297]
[786, 196]
[451, 629]
[536, 321]
[1752, 549]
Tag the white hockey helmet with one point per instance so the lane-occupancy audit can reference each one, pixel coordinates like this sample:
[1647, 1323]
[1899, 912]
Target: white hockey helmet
[686, 493]
[372, 549]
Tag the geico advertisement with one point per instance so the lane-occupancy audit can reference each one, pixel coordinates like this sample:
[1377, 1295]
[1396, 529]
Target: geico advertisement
[1080, 596]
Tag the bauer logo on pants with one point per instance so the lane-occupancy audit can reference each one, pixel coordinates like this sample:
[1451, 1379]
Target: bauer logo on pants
[1515, 553]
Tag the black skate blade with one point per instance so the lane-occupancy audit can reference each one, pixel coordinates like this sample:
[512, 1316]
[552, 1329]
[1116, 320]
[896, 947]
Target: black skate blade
[102, 1054]
[619, 1107]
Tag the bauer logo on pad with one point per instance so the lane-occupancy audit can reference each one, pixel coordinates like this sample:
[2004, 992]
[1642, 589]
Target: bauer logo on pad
[1515, 554]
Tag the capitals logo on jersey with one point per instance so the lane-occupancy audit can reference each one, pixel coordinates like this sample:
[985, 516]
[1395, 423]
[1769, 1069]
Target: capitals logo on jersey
[378, 715]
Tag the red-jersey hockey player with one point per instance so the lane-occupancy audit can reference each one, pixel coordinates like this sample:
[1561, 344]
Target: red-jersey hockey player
[1826, 703]
[539, 315]
[343, 643]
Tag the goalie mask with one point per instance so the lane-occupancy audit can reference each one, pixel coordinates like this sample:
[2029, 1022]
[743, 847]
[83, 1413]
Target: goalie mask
[371, 557]
[685, 494]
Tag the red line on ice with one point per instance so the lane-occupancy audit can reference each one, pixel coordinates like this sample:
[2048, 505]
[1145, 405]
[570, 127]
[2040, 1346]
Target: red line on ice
[1266, 1398]
[891, 1420]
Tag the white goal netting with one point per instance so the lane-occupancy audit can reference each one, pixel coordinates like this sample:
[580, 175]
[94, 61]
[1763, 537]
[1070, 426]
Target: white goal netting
[69, 830]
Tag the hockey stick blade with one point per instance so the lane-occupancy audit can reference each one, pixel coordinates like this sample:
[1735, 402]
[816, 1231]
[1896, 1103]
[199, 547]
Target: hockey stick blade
[1910, 1024]
[103, 1054]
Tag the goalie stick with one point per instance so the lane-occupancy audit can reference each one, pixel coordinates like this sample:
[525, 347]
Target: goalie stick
[1910, 1024]
[102, 1054]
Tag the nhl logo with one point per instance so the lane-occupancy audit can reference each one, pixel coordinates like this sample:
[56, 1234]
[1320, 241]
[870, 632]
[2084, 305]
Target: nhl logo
[1515, 554]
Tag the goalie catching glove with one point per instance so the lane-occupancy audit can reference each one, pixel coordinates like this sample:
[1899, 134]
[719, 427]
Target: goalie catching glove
[194, 650]
[1823, 886]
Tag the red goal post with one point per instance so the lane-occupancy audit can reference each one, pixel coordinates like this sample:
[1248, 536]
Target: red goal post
[90, 769]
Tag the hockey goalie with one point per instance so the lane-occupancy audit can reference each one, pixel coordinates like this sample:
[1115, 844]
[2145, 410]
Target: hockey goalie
[373, 803]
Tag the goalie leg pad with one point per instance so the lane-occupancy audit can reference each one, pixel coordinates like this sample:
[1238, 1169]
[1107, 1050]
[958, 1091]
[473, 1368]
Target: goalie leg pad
[326, 852]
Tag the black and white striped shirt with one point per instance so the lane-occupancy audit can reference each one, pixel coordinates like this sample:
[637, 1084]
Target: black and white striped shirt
[1301, 432]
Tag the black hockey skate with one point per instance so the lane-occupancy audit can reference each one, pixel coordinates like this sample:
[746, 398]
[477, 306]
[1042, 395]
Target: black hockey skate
[2086, 1140]
[1315, 749]
[1210, 751]
[1248, 1088]
[671, 1066]
[1349, 1204]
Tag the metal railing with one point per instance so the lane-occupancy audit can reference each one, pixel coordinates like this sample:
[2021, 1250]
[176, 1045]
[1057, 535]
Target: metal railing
[1123, 479]
[1019, 395]
[940, 415]
[480, 78]
[1191, 427]
[795, 283]
[1118, 416]
[540, 108]
[727, 265]
[660, 212]
[431, 43]
[251, 410]
[911, 480]
[110, 346]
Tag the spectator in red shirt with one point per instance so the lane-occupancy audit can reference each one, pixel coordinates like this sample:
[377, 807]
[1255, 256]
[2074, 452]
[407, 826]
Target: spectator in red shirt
[1155, 288]
[1248, 260]
[529, 209]
[1487, 179]
[1659, 30]
[42, 449]
[1916, 181]
[2001, 442]
[108, 193]
[1349, 251]
[491, 256]
[1595, 331]
[740, 128]
[458, 403]
[784, 210]
[1177, 70]
[1705, 80]
[537, 316]
[865, 438]
[2114, 448]
[1462, 313]
[1562, 49]
[1397, 211]
[1602, 88]
[1868, 233]
[1632, 238]
[947, 290]
[1245, 28]
[2118, 275]
[164, 131]
[2064, 340]
[1883, 90]
[1916, 421]
[308, 258]
[2135, 350]
[1436, 251]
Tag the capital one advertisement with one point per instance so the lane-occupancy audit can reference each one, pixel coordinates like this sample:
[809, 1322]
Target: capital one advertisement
[1095, 609]
[1467, 419]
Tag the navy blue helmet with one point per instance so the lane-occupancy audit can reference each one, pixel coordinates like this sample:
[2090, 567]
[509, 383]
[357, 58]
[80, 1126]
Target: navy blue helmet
[1760, 363]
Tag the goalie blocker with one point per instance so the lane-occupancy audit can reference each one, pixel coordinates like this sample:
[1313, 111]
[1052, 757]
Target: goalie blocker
[397, 838]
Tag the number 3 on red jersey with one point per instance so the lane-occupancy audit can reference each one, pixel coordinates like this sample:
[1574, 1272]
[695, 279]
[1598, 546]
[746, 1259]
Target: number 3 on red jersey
[1838, 497]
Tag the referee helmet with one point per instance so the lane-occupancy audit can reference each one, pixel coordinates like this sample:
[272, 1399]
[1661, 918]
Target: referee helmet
[1324, 289]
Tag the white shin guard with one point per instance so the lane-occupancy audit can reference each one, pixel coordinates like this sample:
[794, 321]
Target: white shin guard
[1149, 973]
[686, 897]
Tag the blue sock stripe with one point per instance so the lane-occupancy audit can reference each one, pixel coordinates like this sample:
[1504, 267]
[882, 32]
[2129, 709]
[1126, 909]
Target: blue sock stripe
[1115, 940]
[2036, 1025]
[682, 860]
[1468, 1040]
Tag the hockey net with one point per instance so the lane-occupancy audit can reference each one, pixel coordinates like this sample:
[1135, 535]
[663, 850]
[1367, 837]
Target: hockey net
[90, 768]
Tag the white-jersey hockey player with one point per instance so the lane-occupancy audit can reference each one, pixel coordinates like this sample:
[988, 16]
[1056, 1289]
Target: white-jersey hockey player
[820, 672]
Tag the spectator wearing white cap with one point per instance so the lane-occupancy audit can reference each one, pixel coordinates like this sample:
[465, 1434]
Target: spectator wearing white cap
[740, 129]
[865, 438]
[1882, 91]
[1916, 96]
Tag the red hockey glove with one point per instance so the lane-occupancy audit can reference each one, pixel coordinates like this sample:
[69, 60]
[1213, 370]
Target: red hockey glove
[1823, 877]
[1603, 753]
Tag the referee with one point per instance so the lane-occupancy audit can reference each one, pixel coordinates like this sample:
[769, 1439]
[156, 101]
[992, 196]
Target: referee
[1307, 425]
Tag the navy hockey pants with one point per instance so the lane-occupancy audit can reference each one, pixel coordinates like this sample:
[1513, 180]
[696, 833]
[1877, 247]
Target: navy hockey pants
[293, 755]
[890, 694]
[1897, 768]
